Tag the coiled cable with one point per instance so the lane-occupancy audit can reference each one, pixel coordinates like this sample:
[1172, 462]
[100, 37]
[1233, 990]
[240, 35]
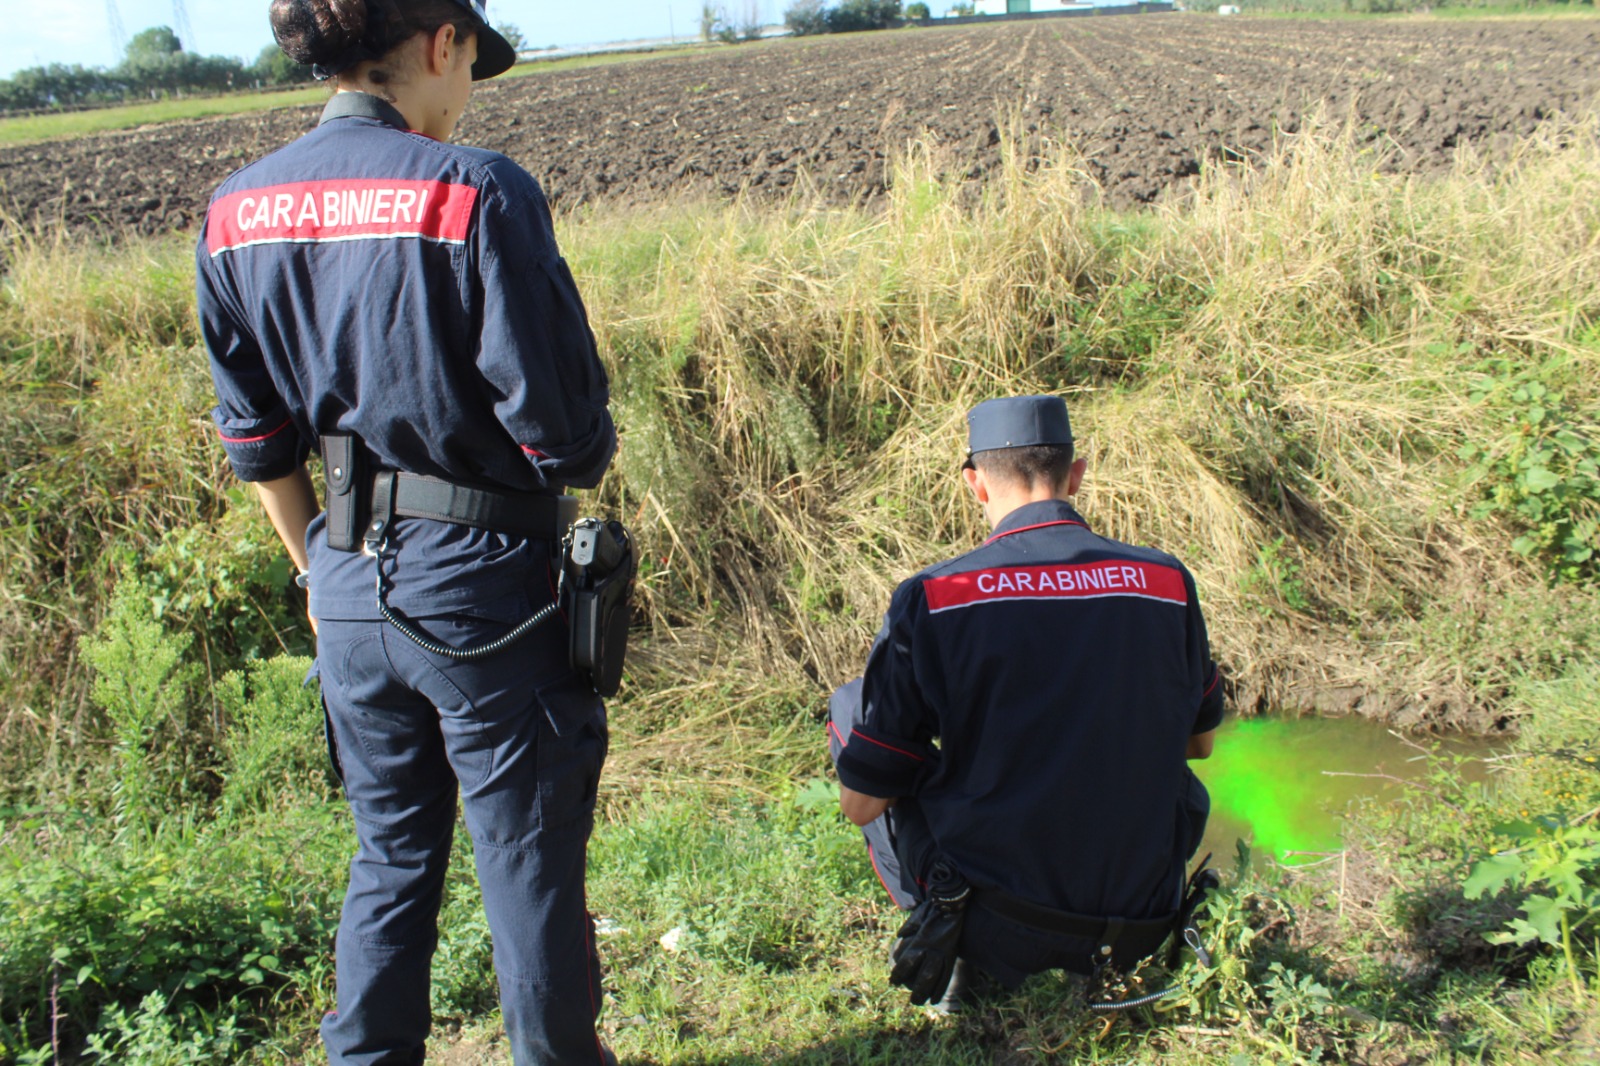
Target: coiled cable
[1129, 1004]
[468, 654]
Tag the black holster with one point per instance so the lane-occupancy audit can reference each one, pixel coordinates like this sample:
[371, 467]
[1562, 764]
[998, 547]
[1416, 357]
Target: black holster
[599, 591]
[344, 467]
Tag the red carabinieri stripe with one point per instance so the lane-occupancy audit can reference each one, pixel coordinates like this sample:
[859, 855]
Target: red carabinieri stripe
[345, 209]
[252, 440]
[1216, 675]
[1112, 577]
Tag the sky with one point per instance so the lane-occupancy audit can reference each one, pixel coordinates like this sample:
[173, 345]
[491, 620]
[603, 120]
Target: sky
[79, 31]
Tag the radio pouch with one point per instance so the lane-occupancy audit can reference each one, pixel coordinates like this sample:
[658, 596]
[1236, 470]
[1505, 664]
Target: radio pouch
[342, 469]
[600, 571]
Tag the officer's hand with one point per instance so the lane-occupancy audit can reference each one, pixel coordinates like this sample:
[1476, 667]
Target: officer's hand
[925, 951]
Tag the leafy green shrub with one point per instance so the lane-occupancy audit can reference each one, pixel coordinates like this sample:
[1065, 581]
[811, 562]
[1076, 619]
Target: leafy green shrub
[917, 10]
[1541, 471]
[275, 749]
[1557, 866]
[228, 583]
[146, 691]
[194, 919]
[154, 1035]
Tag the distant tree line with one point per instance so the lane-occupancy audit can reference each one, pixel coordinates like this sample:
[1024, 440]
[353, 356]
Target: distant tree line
[807, 17]
[155, 65]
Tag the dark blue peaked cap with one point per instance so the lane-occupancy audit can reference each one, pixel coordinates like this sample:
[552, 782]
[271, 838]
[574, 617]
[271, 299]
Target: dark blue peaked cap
[495, 54]
[1017, 422]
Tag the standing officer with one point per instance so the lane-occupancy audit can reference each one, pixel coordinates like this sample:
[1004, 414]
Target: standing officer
[398, 303]
[1066, 678]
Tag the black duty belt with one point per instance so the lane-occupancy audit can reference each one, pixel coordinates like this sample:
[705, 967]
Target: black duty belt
[1136, 938]
[397, 494]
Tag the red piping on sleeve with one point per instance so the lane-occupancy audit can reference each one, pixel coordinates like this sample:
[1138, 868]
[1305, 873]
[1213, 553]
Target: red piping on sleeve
[843, 743]
[253, 440]
[1039, 525]
[1216, 675]
[889, 747]
[535, 452]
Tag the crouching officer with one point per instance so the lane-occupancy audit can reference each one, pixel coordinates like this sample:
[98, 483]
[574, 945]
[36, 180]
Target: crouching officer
[398, 303]
[1015, 751]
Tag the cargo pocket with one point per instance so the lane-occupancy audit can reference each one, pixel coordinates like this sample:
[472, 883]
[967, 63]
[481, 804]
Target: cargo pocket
[569, 702]
[571, 758]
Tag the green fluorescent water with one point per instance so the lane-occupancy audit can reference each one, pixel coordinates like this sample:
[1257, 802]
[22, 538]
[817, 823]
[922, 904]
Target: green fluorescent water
[1269, 783]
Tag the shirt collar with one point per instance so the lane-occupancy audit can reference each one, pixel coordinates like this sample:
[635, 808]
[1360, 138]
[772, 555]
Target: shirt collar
[1033, 515]
[363, 105]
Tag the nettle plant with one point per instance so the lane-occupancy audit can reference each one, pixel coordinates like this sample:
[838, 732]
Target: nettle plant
[1557, 865]
[1542, 473]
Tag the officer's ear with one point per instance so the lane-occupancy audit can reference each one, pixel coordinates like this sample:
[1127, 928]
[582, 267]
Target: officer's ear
[976, 482]
[1075, 476]
[443, 50]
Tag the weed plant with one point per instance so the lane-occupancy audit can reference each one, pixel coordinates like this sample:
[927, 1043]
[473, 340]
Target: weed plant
[1315, 381]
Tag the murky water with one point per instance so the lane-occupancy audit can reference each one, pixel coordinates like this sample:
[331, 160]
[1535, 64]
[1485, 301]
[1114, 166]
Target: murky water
[1270, 782]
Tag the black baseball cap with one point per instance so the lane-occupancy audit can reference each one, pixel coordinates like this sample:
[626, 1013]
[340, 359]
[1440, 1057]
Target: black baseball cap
[1017, 422]
[495, 54]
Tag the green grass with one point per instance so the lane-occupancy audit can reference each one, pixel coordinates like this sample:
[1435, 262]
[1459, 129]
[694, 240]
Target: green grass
[31, 128]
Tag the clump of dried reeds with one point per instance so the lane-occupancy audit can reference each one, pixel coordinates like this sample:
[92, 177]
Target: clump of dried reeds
[1271, 379]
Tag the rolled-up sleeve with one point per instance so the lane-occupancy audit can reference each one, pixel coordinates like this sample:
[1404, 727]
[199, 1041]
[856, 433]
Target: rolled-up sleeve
[253, 423]
[890, 748]
[535, 348]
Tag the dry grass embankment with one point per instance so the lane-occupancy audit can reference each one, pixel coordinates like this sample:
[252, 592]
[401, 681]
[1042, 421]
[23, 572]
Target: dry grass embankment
[1272, 380]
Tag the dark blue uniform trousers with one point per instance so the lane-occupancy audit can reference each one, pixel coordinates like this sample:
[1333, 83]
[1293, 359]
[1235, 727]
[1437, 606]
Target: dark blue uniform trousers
[410, 729]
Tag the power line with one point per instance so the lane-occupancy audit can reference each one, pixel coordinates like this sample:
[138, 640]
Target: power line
[180, 20]
[119, 36]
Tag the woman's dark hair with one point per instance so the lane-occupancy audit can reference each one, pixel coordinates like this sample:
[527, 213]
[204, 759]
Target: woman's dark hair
[334, 35]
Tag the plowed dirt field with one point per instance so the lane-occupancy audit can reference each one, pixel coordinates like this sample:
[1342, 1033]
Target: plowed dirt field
[1147, 98]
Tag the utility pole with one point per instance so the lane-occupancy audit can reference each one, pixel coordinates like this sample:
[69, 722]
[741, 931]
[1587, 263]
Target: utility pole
[180, 23]
[119, 36]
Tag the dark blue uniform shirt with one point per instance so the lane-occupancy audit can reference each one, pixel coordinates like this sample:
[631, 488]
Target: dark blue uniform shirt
[1036, 696]
[370, 280]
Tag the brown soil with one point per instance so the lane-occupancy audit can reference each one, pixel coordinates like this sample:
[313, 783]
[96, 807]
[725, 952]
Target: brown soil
[1146, 99]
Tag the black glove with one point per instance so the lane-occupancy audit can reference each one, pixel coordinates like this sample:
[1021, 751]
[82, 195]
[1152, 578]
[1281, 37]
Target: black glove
[924, 952]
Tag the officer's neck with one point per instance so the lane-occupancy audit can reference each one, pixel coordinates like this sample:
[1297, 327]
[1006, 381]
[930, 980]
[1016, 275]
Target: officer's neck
[1003, 499]
[433, 90]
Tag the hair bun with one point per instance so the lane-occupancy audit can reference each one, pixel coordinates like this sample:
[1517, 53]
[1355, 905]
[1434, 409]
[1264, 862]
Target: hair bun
[318, 31]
